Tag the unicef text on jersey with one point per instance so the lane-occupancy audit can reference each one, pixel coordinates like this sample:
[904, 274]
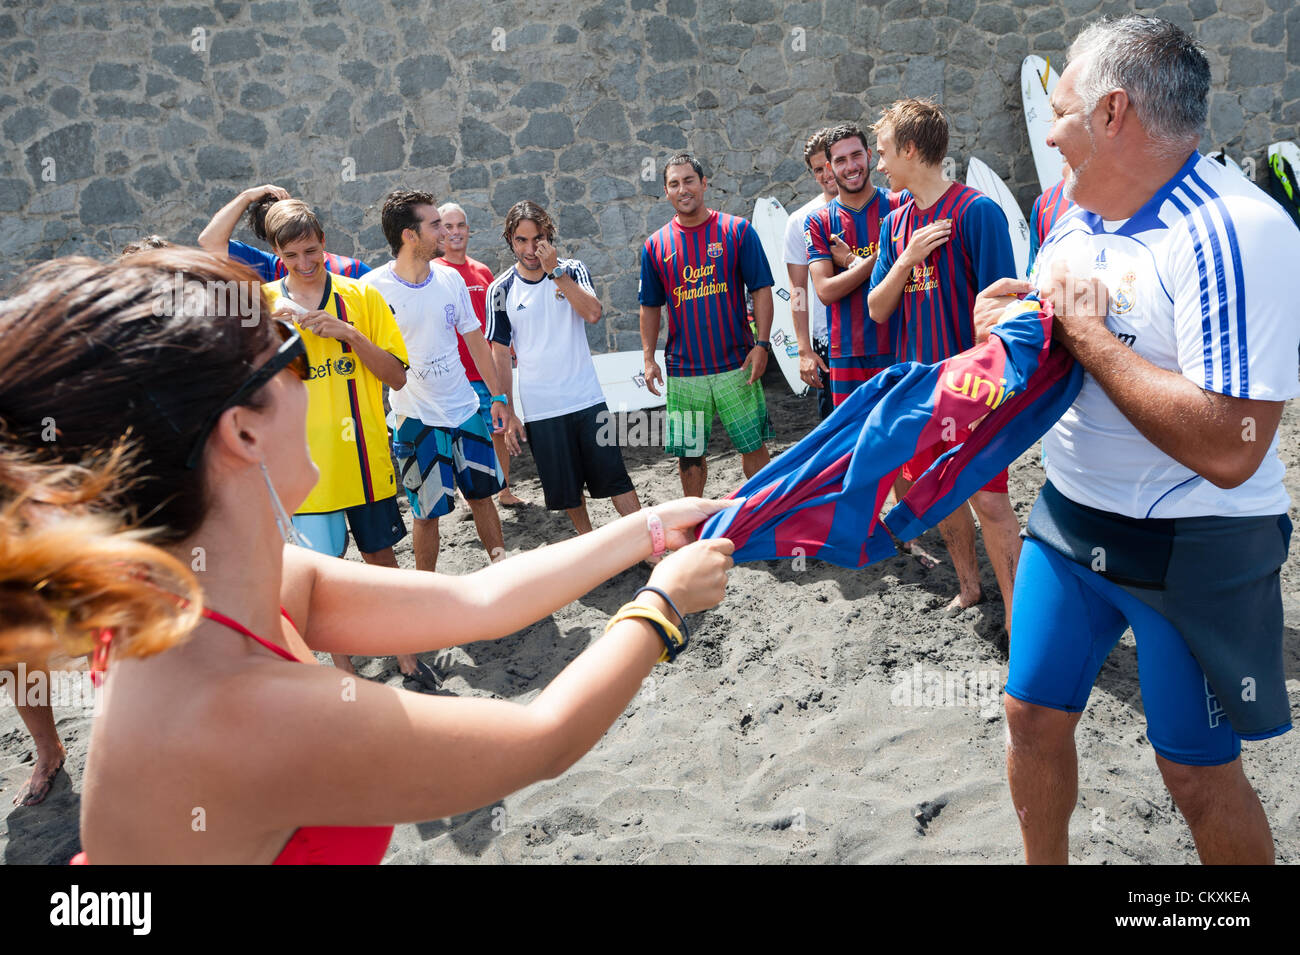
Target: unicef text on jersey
[344, 365]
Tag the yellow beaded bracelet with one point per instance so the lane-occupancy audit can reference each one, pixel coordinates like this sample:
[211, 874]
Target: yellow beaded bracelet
[669, 634]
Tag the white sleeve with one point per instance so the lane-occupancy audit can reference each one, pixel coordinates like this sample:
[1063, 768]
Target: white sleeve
[580, 274]
[1236, 286]
[796, 247]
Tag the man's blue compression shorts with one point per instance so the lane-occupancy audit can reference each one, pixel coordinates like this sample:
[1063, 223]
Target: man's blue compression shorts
[1065, 621]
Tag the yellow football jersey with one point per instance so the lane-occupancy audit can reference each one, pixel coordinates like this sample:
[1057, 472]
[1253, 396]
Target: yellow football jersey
[346, 431]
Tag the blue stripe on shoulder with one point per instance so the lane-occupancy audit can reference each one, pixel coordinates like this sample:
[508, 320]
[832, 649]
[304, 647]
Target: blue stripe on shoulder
[1207, 349]
[1234, 250]
[1221, 286]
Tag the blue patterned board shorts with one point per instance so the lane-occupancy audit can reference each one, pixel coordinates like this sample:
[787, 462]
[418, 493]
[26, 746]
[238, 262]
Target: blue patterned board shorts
[433, 461]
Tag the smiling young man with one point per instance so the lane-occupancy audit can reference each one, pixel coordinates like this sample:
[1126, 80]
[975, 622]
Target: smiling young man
[477, 278]
[441, 441]
[699, 265]
[841, 240]
[1175, 287]
[937, 250]
[814, 349]
[216, 236]
[354, 348]
[539, 307]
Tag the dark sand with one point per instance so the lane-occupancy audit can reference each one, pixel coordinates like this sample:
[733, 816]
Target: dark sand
[782, 735]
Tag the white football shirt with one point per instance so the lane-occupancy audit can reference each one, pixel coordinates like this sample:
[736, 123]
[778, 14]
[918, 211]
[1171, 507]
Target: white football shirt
[431, 315]
[556, 374]
[1204, 280]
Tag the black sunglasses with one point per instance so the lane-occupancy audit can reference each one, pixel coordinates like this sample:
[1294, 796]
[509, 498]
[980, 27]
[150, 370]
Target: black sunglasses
[291, 354]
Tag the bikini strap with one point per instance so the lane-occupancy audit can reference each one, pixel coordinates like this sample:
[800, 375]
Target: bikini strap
[218, 617]
[104, 641]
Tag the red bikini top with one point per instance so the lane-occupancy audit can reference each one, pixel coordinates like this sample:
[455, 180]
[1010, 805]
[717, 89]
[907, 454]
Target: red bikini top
[309, 845]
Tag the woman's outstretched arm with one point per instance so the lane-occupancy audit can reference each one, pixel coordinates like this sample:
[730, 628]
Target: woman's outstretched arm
[348, 607]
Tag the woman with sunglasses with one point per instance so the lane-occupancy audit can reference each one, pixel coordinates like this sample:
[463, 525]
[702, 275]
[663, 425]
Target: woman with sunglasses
[219, 739]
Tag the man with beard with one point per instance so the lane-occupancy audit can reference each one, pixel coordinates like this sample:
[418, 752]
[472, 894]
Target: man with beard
[440, 440]
[539, 308]
[699, 265]
[842, 246]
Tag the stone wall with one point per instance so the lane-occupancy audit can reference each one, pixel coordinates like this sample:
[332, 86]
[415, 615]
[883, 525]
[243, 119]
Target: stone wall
[121, 118]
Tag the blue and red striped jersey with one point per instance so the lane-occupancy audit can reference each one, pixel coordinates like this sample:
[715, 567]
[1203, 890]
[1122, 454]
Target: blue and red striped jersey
[269, 267]
[1048, 208]
[934, 316]
[852, 332]
[822, 497]
[701, 274]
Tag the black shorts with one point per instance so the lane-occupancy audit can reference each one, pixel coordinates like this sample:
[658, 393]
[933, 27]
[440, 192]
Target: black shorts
[568, 455]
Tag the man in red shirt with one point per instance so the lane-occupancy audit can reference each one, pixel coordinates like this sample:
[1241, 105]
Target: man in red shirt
[477, 276]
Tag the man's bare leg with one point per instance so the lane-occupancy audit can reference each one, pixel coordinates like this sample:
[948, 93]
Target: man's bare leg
[1001, 530]
[488, 524]
[694, 473]
[913, 548]
[1222, 810]
[958, 530]
[50, 754]
[425, 541]
[507, 497]
[581, 520]
[1043, 770]
[626, 503]
[754, 461]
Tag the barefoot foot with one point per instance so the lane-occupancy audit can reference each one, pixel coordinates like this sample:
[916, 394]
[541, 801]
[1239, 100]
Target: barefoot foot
[962, 602]
[42, 779]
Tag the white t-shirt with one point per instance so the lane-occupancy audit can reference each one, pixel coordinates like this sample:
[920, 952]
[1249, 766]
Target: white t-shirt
[1204, 280]
[796, 253]
[556, 374]
[430, 315]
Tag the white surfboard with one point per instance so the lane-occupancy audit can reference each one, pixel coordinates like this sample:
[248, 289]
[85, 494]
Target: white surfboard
[981, 177]
[1037, 80]
[769, 222]
[1224, 159]
[622, 378]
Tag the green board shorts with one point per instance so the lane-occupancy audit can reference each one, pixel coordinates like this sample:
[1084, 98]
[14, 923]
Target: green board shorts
[694, 400]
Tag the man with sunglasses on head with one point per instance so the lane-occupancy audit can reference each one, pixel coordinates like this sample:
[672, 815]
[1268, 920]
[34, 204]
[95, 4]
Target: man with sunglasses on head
[354, 348]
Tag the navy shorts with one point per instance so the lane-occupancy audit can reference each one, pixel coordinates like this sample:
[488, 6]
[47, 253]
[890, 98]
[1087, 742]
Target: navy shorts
[375, 527]
[576, 449]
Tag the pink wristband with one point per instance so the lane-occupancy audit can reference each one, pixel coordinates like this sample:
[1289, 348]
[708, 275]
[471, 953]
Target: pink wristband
[656, 529]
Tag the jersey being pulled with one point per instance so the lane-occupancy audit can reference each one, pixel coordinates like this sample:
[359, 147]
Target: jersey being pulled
[701, 273]
[1204, 281]
[934, 315]
[1047, 211]
[269, 267]
[852, 332]
[345, 400]
[822, 497]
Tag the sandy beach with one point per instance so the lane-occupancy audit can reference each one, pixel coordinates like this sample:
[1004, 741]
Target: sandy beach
[820, 715]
